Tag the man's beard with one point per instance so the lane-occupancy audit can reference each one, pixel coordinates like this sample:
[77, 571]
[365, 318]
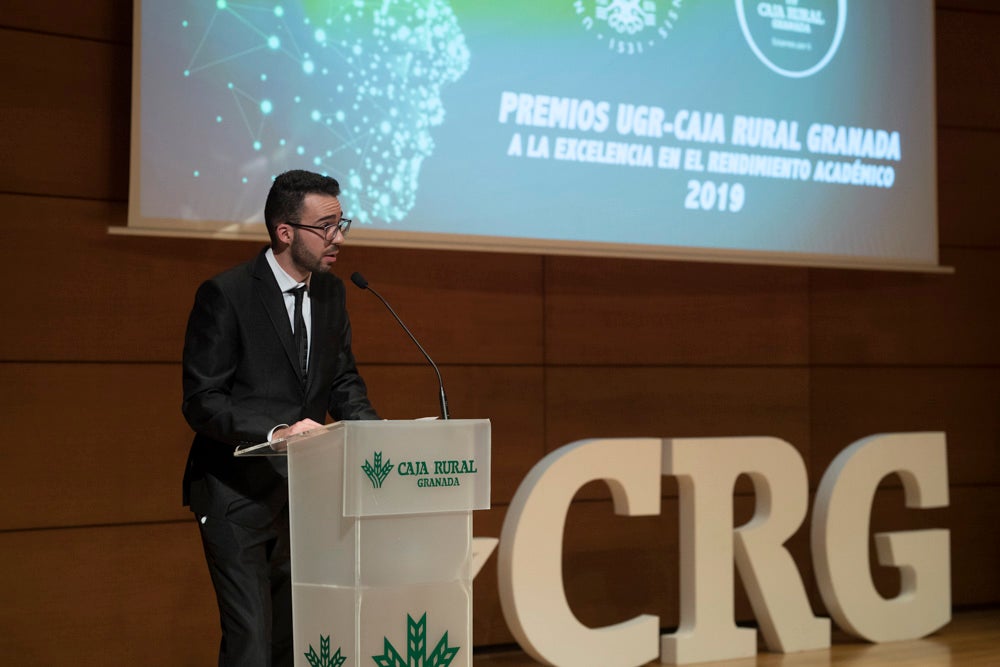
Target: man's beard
[305, 259]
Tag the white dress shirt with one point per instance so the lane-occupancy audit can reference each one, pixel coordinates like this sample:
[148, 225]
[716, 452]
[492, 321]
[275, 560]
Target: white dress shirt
[286, 283]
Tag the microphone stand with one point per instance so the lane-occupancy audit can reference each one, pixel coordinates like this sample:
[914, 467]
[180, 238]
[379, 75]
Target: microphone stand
[360, 281]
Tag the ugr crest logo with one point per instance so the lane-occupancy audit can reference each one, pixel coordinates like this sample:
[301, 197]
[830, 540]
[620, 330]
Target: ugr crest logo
[628, 27]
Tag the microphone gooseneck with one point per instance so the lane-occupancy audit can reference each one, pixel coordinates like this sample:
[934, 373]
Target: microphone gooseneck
[361, 283]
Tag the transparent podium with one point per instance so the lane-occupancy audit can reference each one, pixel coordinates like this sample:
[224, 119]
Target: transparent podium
[381, 538]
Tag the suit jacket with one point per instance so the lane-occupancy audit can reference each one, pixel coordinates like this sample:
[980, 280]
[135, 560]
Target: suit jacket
[242, 378]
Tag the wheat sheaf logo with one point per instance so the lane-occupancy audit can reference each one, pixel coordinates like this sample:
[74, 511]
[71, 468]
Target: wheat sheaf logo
[323, 658]
[377, 471]
[416, 648]
[629, 27]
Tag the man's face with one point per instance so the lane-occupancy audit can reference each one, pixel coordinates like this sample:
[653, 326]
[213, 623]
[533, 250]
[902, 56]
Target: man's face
[311, 250]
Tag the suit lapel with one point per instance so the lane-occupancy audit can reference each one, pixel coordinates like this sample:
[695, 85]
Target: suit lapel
[274, 304]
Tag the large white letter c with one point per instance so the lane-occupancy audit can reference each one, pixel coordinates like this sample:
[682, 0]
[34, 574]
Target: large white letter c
[530, 558]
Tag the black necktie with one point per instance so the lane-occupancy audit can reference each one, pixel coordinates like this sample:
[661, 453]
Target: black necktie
[301, 339]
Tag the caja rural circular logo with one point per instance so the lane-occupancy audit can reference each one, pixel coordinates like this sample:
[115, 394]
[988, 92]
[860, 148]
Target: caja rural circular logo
[794, 38]
[629, 27]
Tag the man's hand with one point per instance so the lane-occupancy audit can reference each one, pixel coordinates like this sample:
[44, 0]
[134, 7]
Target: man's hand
[296, 428]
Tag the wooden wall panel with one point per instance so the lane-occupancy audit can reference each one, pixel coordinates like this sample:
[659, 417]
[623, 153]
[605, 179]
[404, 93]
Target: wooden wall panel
[127, 298]
[99, 297]
[65, 116]
[512, 398]
[677, 402]
[968, 5]
[966, 167]
[614, 311]
[968, 79]
[115, 441]
[463, 307]
[110, 595]
[866, 317]
[104, 20]
[851, 403]
[97, 444]
[609, 402]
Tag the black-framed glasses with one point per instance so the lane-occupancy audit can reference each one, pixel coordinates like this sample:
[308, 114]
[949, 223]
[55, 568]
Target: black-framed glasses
[329, 231]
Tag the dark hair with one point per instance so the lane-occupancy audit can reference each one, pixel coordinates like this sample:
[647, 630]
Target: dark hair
[284, 201]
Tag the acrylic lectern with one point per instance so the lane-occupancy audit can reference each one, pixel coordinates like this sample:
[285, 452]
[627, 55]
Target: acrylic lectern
[381, 538]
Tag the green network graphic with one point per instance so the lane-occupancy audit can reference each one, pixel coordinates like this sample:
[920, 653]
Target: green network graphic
[367, 74]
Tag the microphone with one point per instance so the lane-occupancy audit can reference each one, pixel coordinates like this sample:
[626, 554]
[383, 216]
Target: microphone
[361, 283]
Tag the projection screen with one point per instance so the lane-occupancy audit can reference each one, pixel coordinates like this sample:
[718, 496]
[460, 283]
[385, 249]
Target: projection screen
[789, 132]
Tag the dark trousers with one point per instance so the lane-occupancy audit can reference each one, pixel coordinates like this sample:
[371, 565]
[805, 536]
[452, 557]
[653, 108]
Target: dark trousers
[251, 572]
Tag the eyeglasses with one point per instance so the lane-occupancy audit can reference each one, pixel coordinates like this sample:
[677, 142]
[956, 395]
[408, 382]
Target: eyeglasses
[329, 231]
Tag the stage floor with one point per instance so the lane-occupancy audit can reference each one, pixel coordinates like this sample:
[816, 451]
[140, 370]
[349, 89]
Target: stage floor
[972, 639]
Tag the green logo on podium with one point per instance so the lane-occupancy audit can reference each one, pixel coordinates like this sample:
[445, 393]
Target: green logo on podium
[377, 472]
[324, 659]
[416, 648]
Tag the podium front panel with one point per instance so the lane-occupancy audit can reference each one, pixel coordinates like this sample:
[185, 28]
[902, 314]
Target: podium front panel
[415, 549]
[398, 564]
[323, 539]
[407, 467]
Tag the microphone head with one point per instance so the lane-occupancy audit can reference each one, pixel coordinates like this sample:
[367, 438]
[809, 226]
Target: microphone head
[359, 280]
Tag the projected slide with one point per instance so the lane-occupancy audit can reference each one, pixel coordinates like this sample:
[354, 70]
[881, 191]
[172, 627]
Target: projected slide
[798, 131]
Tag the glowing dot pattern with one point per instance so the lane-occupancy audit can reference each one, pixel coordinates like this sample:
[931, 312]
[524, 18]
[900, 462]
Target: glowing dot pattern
[355, 85]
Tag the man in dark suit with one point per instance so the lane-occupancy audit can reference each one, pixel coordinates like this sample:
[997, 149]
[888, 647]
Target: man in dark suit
[267, 354]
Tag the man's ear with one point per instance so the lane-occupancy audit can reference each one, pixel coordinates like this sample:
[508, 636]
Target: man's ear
[284, 233]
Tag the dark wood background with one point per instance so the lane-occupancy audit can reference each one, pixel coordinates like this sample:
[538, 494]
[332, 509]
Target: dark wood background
[99, 561]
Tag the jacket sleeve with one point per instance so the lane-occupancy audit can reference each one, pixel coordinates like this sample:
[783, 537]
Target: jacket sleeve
[210, 360]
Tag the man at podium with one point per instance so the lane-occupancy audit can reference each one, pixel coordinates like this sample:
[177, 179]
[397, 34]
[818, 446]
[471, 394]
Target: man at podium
[267, 354]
